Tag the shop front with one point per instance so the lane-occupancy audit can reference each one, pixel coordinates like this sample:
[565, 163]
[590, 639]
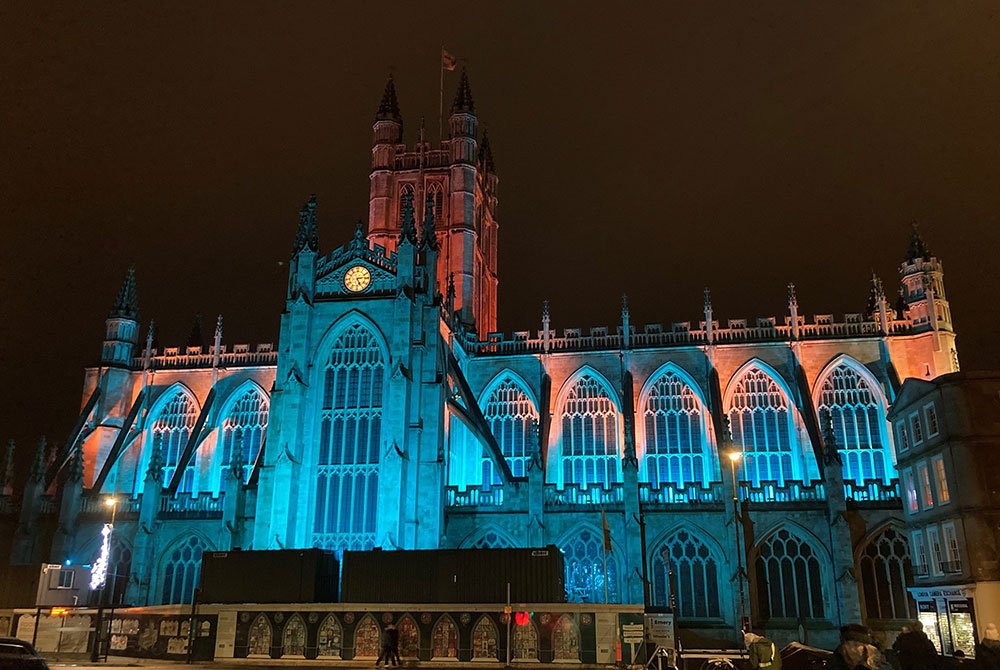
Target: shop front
[955, 616]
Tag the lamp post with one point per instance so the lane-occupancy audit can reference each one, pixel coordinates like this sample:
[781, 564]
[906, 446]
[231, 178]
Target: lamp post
[734, 458]
[99, 575]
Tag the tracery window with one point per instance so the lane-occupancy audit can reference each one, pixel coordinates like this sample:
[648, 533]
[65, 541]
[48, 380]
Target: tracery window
[259, 638]
[565, 640]
[181, 574]
[444, 638]
[293, 638]
[512, 418]
[170, 433]
[789, 578]
[243, 432]
[851, 407]
[761, 425]
[684, 566]
[584, 564]
[349, 442]
[405, 192]
[436, 193]
[484, 639]
[329, 638]
[590, 453]
[491, 540]
[885, 570]
[676, 448]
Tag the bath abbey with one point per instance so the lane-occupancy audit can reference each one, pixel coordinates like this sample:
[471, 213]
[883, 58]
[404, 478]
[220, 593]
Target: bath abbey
[721, 467]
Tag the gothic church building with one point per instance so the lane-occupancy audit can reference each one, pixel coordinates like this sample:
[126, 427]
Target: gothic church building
[391, 414]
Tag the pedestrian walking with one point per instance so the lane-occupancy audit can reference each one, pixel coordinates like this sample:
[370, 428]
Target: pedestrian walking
[915, 650]
[857, 651]
[988, 649]
[390, 647]
[762, 652]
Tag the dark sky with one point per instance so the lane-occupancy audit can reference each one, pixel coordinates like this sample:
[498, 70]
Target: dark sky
[642, 149]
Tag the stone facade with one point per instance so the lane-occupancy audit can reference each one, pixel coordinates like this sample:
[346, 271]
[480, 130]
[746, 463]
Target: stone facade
[947, 431]
[390, 414]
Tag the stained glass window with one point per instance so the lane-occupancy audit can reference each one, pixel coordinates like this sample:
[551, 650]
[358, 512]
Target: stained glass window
[409, 637]
[259, 638]
[565, 640]
[676, 449]
[585, 576]
[789, 578]
[182, 568]
[760, 420]
[170, 432]
[367, 638]
[293, 638]
[525, 646]
[885, 571]
[349, 443]
[329, 638]
[854, 410]
[684, 566]
[444, 638]
[590, 451]
[484, 640]
[243, 432]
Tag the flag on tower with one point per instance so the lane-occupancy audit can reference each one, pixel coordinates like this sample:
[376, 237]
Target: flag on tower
[607, 532]
[448, 62]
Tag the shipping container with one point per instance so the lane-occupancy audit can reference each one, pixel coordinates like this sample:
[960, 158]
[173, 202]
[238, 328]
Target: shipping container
[454, 576]
[281, 576]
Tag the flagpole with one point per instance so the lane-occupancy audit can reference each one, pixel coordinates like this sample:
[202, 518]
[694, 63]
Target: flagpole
[441, 96]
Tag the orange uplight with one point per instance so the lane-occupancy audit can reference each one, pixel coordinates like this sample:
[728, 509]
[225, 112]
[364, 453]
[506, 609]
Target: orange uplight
[59, 611]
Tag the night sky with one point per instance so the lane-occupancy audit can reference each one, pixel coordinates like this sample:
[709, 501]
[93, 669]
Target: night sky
[650, 149]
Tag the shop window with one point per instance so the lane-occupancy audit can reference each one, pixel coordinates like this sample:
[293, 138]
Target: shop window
[941, 480]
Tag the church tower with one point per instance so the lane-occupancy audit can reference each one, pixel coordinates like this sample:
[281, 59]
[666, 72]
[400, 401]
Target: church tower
[121, 329]
[458, 176]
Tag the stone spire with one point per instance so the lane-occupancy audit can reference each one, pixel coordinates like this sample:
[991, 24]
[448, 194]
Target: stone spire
[7, 482]
[875, 295]
[408, 229]
[709, 316]
[918, 249]
[307, 236]
[388, 109]
[486, 154]
[127, 302]
[463, 104]
[429, 238]
[626, 323]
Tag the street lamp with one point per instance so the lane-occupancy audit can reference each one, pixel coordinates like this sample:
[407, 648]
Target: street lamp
[99, 574]
[734, 458]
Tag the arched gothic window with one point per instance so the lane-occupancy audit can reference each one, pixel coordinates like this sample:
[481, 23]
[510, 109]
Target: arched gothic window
[243, 432]
[513, 419]
[349, 443]
[406, 190]
[853, 409]
[181, 574]
[436, 193]
[885, 571]
[590, 453]
[762, 427]
[584, 564]
[676, 449]
[789, 578]
[684, 566]
[293, 638]
[491, 540]
[170, 432]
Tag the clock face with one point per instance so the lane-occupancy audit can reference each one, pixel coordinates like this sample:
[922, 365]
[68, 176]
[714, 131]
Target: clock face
[357, 278]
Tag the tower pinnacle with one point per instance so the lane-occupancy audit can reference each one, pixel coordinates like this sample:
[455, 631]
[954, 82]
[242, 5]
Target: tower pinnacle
[307, 236]
[918, 249]
[388, 108]
[463, 104]
[127, 302]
